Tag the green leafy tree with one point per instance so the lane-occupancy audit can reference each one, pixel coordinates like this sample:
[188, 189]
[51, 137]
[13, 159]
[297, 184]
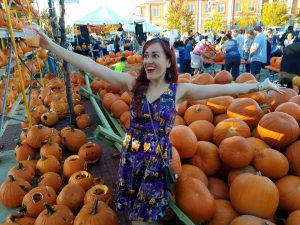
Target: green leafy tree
[216, 23]
[274, 14]
[248, 17]
[177, 13]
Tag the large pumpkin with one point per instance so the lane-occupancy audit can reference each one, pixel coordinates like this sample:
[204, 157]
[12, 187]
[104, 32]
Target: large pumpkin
[73, 139]
[291, 108]
[292, 153]
[207, 158]
[229, 128]
[223, 77]
[234, 173]
[224, 213]
[194, 199]
[189, 170]
[198, 112]
[254, 195]
[218, 188]
[245, 77]
[250, 220]
[203, 78]
[293, 218]
[219, 104]
[203, 130]
[278, 129]
[184, 140]
[245, 109]
[275, 98]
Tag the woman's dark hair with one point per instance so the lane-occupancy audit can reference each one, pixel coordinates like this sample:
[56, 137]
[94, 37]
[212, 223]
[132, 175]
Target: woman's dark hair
[228, 35]
[286, 82]
[142, 82]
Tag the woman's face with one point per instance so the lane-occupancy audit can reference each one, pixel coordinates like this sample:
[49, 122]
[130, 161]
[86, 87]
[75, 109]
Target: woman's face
[155, 62]
[290, 36]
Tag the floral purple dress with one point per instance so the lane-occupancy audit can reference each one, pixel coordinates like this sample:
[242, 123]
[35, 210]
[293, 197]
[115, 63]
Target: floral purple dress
[140, 183]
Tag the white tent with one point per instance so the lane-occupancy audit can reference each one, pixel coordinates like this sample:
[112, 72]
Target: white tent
[147, 27]
[105, 15]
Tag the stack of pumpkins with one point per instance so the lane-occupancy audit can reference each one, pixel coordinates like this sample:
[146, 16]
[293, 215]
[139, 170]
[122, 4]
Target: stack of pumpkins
[133, 59]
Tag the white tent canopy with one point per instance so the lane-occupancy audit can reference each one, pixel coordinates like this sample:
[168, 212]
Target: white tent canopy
[105, 15]
[147, 27]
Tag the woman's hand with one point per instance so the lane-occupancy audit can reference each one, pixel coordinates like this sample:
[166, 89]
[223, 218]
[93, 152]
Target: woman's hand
[45, 41]
[268, 85]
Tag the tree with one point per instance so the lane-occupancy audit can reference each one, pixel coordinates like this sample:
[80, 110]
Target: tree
[248, 17]
[216, 23]
[178, 13]
[69, 30]
[274, 14]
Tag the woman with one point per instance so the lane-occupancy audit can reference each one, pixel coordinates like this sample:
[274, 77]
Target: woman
[232, 55]
[155, 98]
[246, 49]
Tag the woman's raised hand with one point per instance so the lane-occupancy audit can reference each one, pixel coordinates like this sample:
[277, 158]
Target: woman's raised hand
[45, 41]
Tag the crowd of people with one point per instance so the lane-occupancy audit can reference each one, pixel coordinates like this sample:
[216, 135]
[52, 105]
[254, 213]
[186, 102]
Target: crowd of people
[254, 47]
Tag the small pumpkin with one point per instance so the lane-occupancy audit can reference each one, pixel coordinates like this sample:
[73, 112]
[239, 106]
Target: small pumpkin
[23, 151]
[73, 139]
[250, 220]
[224, 213]
[79, 109]
[51, 148]
[101, 192]
[90, 152]
[198, 112]
[48, 163]
[293, 218]
[23, 171]
[83, 121]
[36, 135]
[188, 170]
[83, 178]
[49, 119]
[73, 164]
[56, 214]
[20, 218]
[51, 179]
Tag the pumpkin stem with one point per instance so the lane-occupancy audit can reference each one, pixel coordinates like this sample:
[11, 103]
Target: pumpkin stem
[44, 157]
[19, 142]
[50, 210]
[23, 188]
[11, 178]
[258, 173]
[20, 166]
[94, 210]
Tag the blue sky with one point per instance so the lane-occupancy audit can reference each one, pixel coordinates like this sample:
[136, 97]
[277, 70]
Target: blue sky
[76, 11]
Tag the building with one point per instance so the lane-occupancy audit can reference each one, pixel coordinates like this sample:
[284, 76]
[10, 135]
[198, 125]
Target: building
[155, 11]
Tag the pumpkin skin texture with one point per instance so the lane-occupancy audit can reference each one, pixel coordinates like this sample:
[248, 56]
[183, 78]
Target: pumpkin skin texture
[96, 213]
[265, 160]
[254, 195]
[292, 154]
[194, 199]
[233, 173]
[73, 164]
[49, 119]
[90, 152]
[48, 163]
[293, 218]
[13, 190]
[289, 194]
[278, 129]
[83, 121]
[257, 144]
[175, 162]
[244, 77]
[236, 152]
[198, 112]
[71, 195]
[203, 78]
[189, 170]
[229, 128]
[101, 192]
[203, 130]
[51, 148]
[35, 199]
[207, 158]
[218, 188]
[223, 77]
[24, 171]
[184, 140]
[51, 179]
[23, 151]
[73, 139]
[219, 105]
[291, 108]
[275, 98]
[224, 213]
[250, 220]
[245, 109]
[36, 135]
[83, 178]
[19, 218]
[57, 214]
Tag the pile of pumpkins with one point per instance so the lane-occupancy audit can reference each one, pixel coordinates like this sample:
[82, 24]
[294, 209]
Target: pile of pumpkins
[133, 59]
[47, 189]
[237, 157]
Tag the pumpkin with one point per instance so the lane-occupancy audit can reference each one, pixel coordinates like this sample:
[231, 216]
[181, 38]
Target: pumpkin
[73, 164]
[108, 100]
[220, 117]
[83, 121]
[179, 121]
[223, 77]
[13, 190]
[51, 179]
[185, 75]
[60, 108]
[218, 188]
[245, 109]
[245, 77]
[90, 152]
[250, 220]
[73, 139]
[48, 163]
[23, 151]
[293, 218]
[198, 112]
[224, 213]
[182, 107]
[219, 104]
[175, 161]
[203, 130]
[260, 97]
[295, 99]
[236, 152]
[22, 170]
[219, 57]
[291, 108]
[257, 144]
[49, 119]
[184, 140]
[19, 218]
[229, 128]
[203, 78]
[72, 196]
[265, 160]
[183, 80]
[36, 135]
[126, 97]
[96, 212]
[233, 173]
[188, 170]
[275, 98]
[83, 178]
[206, 158]
[56, 214]
[292, 154]
[289, 195]
[118, 108]
[35, 199]
[53, 136]
[124, 117]
[254, 195]
[101, 192]
[51, 148]
[79, 109]
[194, 199]
[278, 129]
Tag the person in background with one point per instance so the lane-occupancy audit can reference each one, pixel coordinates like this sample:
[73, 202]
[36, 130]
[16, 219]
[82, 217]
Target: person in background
[290, 62]
[258, 52]
[120, 28]
[187, 55]
[289, 30]
[289, 39]
[120, 66]
[117, 46]
[110, 47]
[275, 50]
[232, 55]
[197, 37]
[246, 49]
[178, 43]
[96, 49]
[236, 35]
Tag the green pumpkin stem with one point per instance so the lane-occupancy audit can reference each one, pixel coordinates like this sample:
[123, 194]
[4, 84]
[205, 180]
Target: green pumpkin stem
[94, 210]
[50, 210]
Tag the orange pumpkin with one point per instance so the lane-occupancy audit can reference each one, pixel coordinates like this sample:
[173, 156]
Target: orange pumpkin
[223, 77]
[51, 179]
[101, 192]
[234, 173]
[245, 77]
[90, 152]
[293, 218]
[198, 112]
[188, 170]
[219, 104]
[203, 130]
[83, 178]
[291, 108]
[224, 213]
[292, 154]
[83, 121]
[203, 78]
[118, 107]
[218, 188]
[250, 220]
[73, 164]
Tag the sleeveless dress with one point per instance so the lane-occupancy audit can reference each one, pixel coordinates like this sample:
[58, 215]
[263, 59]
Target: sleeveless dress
[140, 185]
